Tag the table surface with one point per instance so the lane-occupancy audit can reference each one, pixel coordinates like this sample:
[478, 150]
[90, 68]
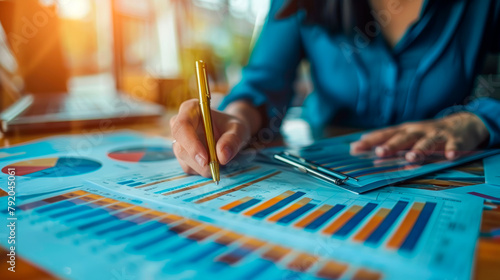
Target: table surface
[487, 264]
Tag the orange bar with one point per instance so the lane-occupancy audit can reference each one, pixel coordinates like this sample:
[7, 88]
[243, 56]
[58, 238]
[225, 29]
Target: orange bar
[90, 197]
[332, 270]
[170, 219]
[185, 226]
[135, 210]
[365, 274]
[313, 216]
[162, 181]
[338, 223]
[406, 226]
[253, 243]
[75, 193]
[236, 203]
[203, 233]
[104, 201]
[119, 206]
[302, 262]
[374, 222]
[157, 213]
[209, 182]
[208, 198]
[276, 253]
[268, 203]
[228, 238]
[289, 210]
[189, 188]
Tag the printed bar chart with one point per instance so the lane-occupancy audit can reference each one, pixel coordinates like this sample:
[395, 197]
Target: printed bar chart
[51, 200]
[410, 230]
[342, 219]
[205, 182]
[294, 211]
[386, 224]
[320, 216]
[230, 189]
[333, 270]
[274, 204]
[241, 204]
[157, 234]
[236, 203]
[374, 223]
[419, 226]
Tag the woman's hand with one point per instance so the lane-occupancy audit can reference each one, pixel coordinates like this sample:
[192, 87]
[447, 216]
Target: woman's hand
[460, 132]
[231, 131]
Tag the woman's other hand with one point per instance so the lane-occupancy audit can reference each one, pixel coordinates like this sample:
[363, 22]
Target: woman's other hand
[457, 133]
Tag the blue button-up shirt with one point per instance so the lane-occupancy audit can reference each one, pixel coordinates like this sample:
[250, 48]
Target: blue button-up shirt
[363, 82]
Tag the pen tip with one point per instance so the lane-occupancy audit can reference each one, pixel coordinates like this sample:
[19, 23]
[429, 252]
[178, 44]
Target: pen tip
[217, 183]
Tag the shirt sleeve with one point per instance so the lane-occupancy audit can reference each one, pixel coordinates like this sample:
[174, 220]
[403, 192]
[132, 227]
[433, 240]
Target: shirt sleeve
[488, 110]
[268, 78]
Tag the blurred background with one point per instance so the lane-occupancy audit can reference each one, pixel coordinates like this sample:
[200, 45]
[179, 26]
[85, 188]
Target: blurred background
[145, 49]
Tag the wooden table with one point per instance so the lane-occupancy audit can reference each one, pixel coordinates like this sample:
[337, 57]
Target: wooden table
[487, 264]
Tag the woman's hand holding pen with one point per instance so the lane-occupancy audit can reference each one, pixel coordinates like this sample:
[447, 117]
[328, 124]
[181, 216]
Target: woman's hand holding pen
[460, 132]
[232, 130]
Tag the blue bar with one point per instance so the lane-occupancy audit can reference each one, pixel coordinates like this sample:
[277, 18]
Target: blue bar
[389, 220]
[261, 267]
[168, 251]
[243, 206]
[278, 205]
[32, 205]
[63, 204]
[141, 219]
[97, 223]
[185, 243]
[295, 214]
[135, 184]
[140, 231]
[126, 182]
[72, 211]
[212, 249]
[94, 213]
[236, 255]
[356, 219]
[121, 226]
[415, 233]
[325, 217]
[153, 241]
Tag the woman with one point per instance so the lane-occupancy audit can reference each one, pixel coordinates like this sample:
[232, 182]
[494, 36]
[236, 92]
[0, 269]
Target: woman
[374, 63]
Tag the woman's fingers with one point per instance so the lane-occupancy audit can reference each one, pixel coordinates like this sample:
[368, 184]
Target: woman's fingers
[231, 141]
[370, 140]
[184, 127]
[426, 146]
[457, 146]
[402, 140]
[188, 164]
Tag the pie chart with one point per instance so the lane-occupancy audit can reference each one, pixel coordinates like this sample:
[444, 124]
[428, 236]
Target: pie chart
[142, 154]
[53, 167]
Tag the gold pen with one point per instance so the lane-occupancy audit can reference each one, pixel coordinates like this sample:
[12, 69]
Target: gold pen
[204, 92]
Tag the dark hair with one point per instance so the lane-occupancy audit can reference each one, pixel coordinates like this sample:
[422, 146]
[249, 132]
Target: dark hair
[336, 16]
